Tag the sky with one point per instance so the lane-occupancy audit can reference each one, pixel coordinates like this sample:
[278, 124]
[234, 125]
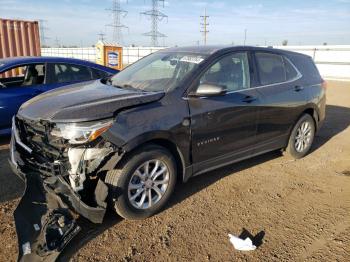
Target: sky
[301, 22]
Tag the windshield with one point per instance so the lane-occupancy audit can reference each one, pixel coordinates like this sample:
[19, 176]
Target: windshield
[161, 71]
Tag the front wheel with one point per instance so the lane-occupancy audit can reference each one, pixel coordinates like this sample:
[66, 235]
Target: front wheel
[143, 183]
[301, 137]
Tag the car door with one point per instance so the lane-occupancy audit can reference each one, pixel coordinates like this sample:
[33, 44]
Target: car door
[62, 74]
[19, 84]
[223, 127]
[282, 99]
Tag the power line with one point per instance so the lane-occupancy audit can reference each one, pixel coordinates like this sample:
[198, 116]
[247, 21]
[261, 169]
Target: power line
[155, 16]
[42, 29]
[117, 14]
[204, 26]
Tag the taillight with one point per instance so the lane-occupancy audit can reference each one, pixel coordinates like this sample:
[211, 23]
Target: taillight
[324, 84]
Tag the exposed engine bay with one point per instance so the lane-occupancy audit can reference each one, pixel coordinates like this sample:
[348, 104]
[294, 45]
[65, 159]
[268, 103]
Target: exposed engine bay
[63, 181]
[59, 147]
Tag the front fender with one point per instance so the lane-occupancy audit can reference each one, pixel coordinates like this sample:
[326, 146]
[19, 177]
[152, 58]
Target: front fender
[155, 121]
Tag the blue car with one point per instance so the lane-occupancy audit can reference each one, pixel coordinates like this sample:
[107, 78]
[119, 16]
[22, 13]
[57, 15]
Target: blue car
[22, 78]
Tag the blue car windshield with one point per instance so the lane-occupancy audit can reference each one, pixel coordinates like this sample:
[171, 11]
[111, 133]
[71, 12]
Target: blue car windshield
[161, 71]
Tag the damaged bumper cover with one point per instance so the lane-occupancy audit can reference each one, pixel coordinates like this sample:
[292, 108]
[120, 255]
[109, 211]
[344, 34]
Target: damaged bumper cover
[46, 217]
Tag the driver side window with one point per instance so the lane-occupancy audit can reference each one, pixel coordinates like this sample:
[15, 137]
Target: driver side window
[231, 71]
[23, 76]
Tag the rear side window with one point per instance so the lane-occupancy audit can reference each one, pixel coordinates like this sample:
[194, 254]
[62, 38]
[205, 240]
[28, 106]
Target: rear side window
[307, 68]
[71, 73]
[271, 68]
[291, 73]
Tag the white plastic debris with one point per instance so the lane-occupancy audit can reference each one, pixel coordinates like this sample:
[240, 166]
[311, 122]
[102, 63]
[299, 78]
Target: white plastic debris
[240, 244]
[26, 248]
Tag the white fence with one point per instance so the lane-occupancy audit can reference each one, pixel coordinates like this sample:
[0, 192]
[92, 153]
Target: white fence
[333, 61]
[130, 54]
[85, 53]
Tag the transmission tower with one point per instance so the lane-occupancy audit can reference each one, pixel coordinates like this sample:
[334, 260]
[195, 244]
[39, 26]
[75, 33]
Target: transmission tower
[117, 14]
[42, 29]
[204, 25]
[155, 16]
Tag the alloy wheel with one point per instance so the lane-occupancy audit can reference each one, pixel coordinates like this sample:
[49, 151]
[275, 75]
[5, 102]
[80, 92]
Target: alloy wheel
[303, 137]
[148, 184]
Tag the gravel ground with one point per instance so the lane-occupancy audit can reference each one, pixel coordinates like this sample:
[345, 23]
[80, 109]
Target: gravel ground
[298, 209]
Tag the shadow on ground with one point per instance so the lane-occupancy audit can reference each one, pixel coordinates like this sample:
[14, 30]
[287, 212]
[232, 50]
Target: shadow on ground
[338, 119]
[90, 231]
[11, 186]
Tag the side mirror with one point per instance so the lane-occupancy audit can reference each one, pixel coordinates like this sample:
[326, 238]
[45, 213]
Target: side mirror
[207, 89]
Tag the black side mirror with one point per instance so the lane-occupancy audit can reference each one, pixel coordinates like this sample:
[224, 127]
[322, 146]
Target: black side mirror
[207, 89]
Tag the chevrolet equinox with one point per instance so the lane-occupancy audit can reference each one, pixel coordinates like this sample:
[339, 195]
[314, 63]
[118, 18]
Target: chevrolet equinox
[177, 113]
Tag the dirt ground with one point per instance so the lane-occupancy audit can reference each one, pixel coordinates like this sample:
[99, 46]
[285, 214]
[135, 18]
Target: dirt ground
[300, 210]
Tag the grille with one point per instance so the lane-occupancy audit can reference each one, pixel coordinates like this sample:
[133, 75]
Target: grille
[35, 135]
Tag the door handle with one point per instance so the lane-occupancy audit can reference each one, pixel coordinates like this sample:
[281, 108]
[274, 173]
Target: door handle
[248, 99]
[298, 88]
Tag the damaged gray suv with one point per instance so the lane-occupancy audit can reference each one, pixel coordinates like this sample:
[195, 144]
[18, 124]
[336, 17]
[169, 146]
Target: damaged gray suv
[124, 141]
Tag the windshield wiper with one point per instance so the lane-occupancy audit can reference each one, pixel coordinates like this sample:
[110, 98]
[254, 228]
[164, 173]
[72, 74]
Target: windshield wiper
[126, 86]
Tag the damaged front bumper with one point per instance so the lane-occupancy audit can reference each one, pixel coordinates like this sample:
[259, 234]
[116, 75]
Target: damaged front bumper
[46, 217]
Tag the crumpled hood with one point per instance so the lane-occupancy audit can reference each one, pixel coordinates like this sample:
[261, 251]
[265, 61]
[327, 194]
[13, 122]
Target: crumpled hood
[83, 102]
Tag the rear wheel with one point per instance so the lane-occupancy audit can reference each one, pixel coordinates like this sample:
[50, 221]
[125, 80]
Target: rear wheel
[143, 183]
[301, 138]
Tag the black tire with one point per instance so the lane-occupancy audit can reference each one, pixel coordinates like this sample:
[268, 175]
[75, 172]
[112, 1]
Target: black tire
[118, 181]
[292, 149]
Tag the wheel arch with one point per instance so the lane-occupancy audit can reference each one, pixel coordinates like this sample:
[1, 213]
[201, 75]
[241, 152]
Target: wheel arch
[165, 142]
[310, 110]
[313, 112]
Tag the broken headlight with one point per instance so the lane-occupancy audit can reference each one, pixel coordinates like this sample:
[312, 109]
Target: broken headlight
[81, 133]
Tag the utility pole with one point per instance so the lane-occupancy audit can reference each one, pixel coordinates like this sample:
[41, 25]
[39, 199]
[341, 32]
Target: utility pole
[156, 16]
[101, 36]
[204, 26]
[245, 36]
[42, 29]
[57, 42]
[117, 14]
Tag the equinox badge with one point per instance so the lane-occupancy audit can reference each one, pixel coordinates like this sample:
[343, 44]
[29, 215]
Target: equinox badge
[208, 141]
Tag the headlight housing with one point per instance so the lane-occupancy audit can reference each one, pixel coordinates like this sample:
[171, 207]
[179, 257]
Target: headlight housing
[81, 133]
